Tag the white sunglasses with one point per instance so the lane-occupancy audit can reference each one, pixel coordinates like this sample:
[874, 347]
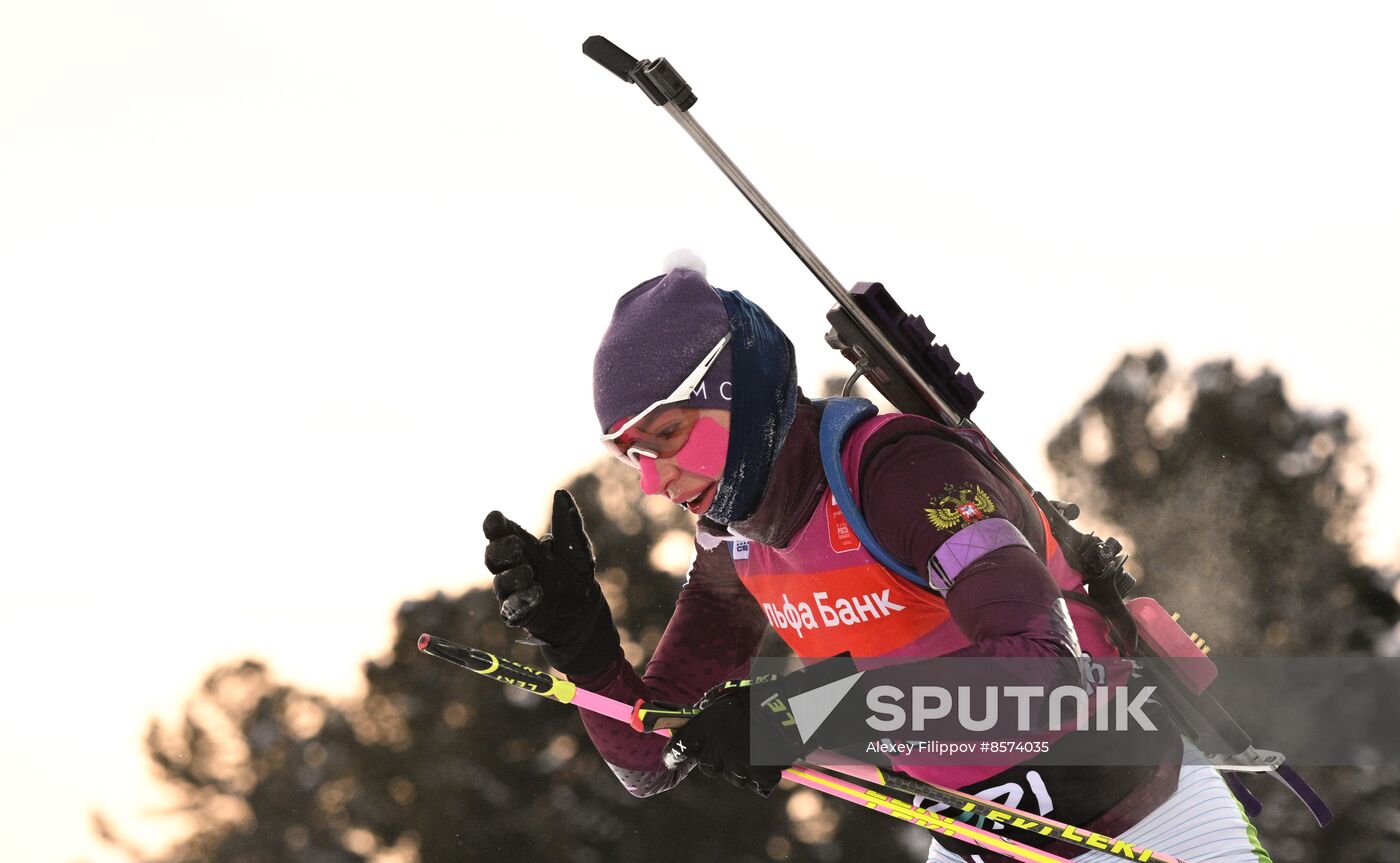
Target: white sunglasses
[681, 393]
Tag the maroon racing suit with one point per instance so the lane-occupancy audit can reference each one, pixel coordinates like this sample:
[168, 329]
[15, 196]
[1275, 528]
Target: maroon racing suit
[938, 506]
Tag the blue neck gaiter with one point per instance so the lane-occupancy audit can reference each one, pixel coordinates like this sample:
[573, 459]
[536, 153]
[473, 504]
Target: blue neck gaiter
[764, 373]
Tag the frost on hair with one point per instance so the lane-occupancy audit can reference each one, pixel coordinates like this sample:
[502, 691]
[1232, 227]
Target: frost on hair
[683, 259]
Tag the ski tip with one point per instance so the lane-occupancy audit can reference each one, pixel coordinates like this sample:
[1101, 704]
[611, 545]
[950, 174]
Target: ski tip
[424, 640]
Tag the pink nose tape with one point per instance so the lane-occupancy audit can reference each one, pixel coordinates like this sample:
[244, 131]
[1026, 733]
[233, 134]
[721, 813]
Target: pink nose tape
[651, 483]
[705, 449]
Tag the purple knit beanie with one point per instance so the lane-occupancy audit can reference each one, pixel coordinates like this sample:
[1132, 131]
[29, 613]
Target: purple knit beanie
[659, 333]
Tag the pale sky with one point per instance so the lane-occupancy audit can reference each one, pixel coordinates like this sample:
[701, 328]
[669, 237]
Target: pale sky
[295, 292]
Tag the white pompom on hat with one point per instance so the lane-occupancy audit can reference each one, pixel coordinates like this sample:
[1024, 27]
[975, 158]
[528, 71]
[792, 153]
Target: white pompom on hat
[684, 259]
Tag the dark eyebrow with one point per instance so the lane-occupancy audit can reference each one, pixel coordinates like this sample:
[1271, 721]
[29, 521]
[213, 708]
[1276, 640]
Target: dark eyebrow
[651, 424]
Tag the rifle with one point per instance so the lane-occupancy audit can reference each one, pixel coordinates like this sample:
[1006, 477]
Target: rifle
[898, 354]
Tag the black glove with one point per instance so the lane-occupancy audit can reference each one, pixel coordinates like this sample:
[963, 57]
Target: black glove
[718, 740]
[547, 586]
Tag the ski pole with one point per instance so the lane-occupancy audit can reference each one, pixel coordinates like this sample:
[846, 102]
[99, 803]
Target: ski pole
[546, 685]
[648, 717]
[542, 683]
